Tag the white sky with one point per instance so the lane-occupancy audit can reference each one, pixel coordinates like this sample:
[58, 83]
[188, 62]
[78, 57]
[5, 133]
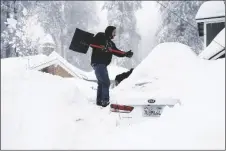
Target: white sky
[147, 17]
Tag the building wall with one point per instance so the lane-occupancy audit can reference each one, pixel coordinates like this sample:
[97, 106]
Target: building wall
[61, 72]
[57, 70]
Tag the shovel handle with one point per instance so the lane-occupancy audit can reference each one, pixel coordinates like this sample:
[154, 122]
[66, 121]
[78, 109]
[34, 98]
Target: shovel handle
[111, 50]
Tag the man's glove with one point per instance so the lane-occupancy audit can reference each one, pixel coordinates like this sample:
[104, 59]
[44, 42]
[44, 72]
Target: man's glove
[129, 54]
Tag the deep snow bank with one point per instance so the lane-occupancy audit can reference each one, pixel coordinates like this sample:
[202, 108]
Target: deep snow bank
[173, 70]
[22, 63]
[42, 111]
[163, 68]
[34, 109]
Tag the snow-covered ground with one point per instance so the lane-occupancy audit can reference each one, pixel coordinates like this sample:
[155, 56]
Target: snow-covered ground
[42, 111]
[173, 70]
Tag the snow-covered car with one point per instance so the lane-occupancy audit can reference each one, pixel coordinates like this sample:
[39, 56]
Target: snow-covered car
[156, 83]
[152, 107]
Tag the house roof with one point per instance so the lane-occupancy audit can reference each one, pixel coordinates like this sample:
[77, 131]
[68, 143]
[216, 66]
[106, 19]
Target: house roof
[54, 58]
[215, 48]
[25, 62]
[210, 10]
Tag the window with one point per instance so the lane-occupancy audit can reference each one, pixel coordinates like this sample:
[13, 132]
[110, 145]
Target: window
[212, 29]
[201, 29]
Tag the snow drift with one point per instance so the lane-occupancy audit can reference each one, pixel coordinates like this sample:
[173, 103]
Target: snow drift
[42, 111]
[173, 70]
[165, 67]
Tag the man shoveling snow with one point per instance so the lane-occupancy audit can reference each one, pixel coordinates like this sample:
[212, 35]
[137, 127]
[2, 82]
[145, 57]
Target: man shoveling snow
[101, 58]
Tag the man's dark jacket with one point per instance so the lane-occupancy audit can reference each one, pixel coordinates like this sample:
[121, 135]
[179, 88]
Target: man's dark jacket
[100, 56]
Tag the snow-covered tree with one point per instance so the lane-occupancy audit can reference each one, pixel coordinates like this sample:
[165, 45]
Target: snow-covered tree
[16, 37]
[8, 24]
[179, 24]
[122, 15]
[60, 19]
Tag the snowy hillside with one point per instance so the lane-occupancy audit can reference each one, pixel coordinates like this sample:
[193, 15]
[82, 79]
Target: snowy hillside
[42, 111]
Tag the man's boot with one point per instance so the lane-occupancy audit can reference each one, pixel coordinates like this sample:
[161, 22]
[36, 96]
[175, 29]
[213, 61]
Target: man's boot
[99, 103]
[105, 103]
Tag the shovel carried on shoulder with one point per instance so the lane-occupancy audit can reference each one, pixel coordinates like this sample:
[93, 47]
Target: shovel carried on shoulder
[82, 40]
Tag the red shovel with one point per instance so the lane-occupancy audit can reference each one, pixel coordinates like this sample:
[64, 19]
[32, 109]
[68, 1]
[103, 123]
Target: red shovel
[111, 50]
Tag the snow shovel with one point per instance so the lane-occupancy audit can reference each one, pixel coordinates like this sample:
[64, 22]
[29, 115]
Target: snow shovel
[82, 40]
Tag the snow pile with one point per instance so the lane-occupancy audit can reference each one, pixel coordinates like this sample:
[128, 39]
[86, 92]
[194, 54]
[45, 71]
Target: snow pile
[166, 61]
[211, 9]
[33, 116]
[216, 46]
[23, 63]
[43, 111]
[172, 70]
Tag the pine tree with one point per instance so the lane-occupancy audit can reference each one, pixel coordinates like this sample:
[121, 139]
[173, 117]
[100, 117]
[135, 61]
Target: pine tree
[179, 24]
[60, 19]
[15, 39]
[7, 8]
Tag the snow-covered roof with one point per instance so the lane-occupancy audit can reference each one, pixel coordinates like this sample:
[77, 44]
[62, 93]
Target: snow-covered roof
[211, 9]
[47, 39]
[23, 63]
[55, 58]
[216, 47]
[55, 55]
[37, 59]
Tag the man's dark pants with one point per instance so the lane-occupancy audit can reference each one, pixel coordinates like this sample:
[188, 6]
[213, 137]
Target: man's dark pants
[101, 73]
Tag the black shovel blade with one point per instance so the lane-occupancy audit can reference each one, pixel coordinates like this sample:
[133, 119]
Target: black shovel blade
[81, 41]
